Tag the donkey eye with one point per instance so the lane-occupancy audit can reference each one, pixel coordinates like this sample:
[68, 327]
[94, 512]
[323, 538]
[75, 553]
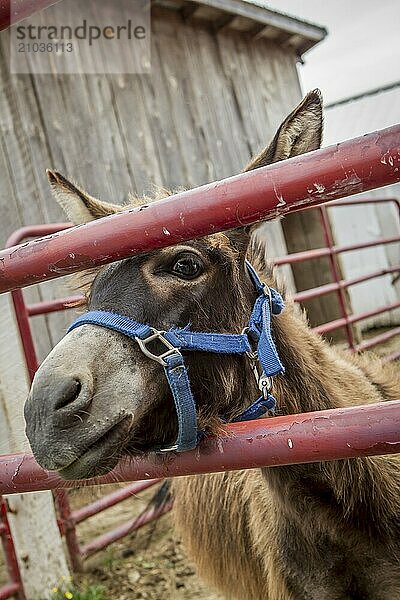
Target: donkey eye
[187, 267]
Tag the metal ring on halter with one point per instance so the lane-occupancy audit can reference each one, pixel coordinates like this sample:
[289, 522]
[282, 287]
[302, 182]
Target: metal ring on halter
[159, 336]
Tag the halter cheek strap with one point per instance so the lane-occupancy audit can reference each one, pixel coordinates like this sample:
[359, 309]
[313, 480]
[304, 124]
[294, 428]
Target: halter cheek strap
[171, 342]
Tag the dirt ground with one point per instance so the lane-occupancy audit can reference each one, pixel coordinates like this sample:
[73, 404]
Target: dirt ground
[150, 564]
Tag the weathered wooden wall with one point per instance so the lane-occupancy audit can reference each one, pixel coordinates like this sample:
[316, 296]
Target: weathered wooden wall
[209, 103]
[302, 231]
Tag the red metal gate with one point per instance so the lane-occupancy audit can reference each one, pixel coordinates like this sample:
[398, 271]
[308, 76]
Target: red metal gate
[244, 199]
[15, 587]
[69, 519]
[339, 285]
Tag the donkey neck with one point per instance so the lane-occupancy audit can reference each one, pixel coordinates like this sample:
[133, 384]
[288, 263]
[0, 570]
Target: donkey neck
[312, 368]
[319, 377]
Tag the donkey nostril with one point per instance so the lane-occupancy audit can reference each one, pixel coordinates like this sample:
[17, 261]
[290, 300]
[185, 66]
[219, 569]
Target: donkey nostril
[67, 392]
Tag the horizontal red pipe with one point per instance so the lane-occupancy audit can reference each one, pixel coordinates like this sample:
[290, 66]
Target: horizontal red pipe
[49, 306]
[13, 11]
[332, 325]
[310, 179]
[102, 541]
[390, 357]
[41, 308]
[291, 439]
[378, 339]
[297, 257]
[32, 231]
[9, 590]
[81, 514]
[342, 284]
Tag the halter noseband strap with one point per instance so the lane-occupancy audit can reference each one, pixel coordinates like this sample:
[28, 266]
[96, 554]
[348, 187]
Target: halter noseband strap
[258, 331]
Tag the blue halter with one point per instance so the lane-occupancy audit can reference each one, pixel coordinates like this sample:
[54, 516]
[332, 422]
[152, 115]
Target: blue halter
[258, 332]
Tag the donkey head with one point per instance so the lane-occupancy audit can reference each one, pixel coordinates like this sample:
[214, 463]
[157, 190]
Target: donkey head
[97, 396]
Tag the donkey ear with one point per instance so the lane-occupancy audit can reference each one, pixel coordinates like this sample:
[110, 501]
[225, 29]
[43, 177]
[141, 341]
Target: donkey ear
[76, 203]
[300, 132]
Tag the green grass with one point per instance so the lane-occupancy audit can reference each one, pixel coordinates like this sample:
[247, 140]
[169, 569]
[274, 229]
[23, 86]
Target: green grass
[109, 559]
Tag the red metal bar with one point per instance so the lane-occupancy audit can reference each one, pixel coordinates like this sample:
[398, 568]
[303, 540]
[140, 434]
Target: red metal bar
[335, 272]
[81, 514]
[13, 11]
[23, 312]
[378, 339]
[68, 529]
[9, 591]
[20, 308]
[22, 317]
[69, 520]
[15, 588]
[108, 538]
[393, 356]
[310, 179]
[49, 306]
[332, 325]
[32, 364]
[32, 231]
[339, 285]
[368, 430]
[296, 257]
[48, 229]
[321, 290]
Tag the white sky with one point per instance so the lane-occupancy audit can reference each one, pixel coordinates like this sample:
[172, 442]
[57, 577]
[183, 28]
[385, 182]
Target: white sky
[361, 51]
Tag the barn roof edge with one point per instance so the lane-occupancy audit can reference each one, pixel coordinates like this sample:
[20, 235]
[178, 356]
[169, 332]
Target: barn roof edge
[364, 94]
[252, 18]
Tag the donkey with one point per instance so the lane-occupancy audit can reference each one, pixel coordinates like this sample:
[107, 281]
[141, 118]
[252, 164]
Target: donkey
[328, 530]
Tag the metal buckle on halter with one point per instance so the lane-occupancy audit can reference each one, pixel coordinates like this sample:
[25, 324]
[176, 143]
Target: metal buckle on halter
[264, 385]
[160, 358]
[159, 336]
[263, 381]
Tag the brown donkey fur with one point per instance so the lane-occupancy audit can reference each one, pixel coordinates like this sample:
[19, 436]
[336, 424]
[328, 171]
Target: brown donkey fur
[323, 531]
